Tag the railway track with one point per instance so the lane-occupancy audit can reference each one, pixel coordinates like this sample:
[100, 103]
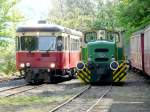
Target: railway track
[16, 90]
[6, 80]
[84, 101]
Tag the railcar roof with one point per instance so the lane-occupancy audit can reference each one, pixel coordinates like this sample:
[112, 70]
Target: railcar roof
[138, 32]
[47, 28]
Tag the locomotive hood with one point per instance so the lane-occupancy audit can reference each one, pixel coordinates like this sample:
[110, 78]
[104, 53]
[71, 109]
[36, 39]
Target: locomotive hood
[101, 51]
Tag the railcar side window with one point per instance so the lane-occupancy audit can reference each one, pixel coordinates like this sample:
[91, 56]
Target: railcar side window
[59, 43]
[29, 43]
[75, 44]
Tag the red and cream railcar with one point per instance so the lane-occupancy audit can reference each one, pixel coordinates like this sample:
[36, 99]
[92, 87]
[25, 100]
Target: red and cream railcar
[137, 50]
[147, 50]
[45, 51]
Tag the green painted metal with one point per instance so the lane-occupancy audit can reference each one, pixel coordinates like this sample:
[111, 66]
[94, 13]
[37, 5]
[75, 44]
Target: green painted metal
[84, 54]
[96, 50]
[120, 55]
[97, 55]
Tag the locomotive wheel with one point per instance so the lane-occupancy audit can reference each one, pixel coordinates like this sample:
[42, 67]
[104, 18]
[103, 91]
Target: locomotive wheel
[52, 79]
[73, 74]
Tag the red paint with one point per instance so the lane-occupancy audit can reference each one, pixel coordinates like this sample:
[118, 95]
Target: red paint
[63, 60]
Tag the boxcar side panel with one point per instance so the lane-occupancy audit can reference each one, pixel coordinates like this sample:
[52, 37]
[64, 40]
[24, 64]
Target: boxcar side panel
[147, 50]
[136, 52]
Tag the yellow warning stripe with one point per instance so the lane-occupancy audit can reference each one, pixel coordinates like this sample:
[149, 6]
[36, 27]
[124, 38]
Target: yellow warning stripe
[119, 78]
[119, 72]
[88, 71]
[121, 75]
[80, 79]
[124, 77]
[118, 67]
[86, 75]
[121, 64]
[83, 78]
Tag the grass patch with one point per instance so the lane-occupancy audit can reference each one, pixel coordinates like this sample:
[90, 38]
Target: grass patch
[27, 100]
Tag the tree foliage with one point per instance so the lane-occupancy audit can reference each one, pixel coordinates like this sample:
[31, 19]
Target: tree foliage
[72, 13]
[129, 15]
[133, 15]
[9, 17]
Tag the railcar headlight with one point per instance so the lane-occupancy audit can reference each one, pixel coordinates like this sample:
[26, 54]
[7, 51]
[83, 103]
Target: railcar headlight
[22, 65]
[114, 65]
[52, 65]
[28, 64]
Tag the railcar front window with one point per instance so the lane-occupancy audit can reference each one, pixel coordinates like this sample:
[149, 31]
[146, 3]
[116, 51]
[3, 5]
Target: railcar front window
[29, 43]
[42, 43]
[47, 43]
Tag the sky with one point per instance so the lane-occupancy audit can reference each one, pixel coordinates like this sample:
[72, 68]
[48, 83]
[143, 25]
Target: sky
[35, 10]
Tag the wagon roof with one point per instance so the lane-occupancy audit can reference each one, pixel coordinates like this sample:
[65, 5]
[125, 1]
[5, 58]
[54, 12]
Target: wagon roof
[138, 32]
[47, 28]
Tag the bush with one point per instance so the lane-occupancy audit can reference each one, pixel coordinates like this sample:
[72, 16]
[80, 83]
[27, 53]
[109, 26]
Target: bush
[7, 63]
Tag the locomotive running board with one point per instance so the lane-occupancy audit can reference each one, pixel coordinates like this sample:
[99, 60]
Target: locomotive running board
[119, 75]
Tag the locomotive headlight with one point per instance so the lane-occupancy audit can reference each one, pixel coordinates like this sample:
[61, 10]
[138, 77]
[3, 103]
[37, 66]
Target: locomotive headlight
[22, 65]
[80, 66]
[28, 64]
[114, 65]
[52, 65]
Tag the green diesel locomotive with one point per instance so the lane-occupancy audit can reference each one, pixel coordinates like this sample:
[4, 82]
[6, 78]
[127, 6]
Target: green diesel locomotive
[103, 57]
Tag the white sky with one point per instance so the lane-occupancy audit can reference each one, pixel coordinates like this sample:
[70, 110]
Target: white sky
[35, 9]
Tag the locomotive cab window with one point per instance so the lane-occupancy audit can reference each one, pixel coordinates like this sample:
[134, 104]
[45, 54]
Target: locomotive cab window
[112, 36]
[90, 36]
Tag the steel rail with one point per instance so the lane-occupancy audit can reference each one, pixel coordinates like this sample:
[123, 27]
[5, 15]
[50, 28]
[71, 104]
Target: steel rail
[6, 80]
[22, 91]
[72, 98]
[99, 99]
[11, 88]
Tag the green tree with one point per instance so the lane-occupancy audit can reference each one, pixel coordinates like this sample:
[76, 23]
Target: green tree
[74, 14]
[9, 17]
[133, 14]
